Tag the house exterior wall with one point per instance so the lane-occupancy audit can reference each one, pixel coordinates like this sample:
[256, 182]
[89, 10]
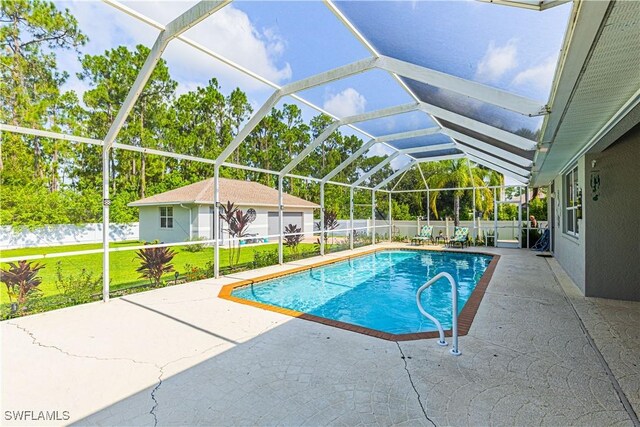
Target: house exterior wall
[613, 228]
[603, 259]
[570, 250]
[260, 226]
[150, 224]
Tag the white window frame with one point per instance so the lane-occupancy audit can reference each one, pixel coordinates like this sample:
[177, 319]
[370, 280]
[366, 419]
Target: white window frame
[571, 205]
[166, 214]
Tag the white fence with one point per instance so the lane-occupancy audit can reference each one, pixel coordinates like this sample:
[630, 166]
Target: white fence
[64, 234]
[507, 230]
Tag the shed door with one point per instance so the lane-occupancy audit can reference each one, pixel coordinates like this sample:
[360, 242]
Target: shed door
[289, 218]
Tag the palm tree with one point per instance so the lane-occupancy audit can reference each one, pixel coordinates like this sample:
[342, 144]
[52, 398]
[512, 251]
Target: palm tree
[458, 174]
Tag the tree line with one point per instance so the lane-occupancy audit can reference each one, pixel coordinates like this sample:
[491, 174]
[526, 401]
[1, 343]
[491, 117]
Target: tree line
[49, 181]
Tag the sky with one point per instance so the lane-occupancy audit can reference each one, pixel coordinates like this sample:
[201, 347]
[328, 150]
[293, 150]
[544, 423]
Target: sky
[283, 41]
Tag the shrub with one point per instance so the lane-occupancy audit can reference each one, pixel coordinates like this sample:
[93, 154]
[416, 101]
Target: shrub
[77, 289]
[292, 237]
[330, 223]
[154, 263]
[265, 258]
[22, 281]
[237, 224]
[194, 273]
[198, 247]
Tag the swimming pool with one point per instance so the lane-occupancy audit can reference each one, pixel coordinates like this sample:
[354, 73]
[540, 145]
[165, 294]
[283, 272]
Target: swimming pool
[373, 292]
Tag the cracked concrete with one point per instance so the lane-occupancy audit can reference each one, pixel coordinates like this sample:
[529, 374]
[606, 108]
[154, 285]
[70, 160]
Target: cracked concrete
[180, 355]
[406, 368]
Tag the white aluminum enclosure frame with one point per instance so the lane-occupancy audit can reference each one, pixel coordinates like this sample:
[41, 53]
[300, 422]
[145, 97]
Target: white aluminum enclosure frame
[497, 159]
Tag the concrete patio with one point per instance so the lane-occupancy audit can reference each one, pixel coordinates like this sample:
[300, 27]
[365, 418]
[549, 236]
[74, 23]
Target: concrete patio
[537, 353]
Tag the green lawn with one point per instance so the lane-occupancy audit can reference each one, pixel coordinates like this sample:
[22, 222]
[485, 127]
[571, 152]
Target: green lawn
[122, 264]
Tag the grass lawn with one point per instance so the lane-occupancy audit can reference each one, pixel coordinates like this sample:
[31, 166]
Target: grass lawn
[122, 264]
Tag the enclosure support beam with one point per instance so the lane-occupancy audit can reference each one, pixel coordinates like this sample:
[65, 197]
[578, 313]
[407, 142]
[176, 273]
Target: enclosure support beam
[493, 159]
[438, 158]
[424, 180]
[467, 141]
[346, 121]
[409, 134]
[473, 198]
[466, 122]
[428, 148]
[307, 83]
[373, 216]
[491, 95]
[105, 223]
[363, 148]
[376, 168]
[526, 199]
[495, 219]
[188, 19]
[390, 219]
[519, 238]
[309, 148]
[521, 179]
[391, 177]
[428, 208]
[322, 218]
[351, 218]
[280, 221]
[216, 221]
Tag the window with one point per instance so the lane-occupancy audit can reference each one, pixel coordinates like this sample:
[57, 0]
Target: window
[166, 217]
[572, 202]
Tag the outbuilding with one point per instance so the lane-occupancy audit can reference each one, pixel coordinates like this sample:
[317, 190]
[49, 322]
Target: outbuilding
[186, 213]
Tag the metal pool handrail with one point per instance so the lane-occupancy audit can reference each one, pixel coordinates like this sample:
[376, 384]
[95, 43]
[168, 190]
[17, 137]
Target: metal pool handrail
[454, 311]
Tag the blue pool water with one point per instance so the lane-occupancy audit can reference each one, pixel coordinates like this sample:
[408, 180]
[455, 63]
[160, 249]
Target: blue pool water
[376, 291]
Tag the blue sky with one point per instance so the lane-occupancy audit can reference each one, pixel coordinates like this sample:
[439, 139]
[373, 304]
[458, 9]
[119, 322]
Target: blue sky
[505, 47]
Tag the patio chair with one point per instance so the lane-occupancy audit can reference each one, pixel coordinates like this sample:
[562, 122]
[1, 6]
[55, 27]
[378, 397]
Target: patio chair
[460, 235]
[426, 234]
[543, 243]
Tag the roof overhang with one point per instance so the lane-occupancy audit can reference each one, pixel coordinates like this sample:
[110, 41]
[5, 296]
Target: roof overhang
[590, 97]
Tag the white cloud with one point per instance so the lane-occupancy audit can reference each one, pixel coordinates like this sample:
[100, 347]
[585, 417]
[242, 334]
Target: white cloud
[379, 150]
[497, 61]
[346, 103]
[539, 75]
[229, 32]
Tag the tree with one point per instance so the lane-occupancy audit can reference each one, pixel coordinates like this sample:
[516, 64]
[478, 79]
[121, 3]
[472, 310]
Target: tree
[458, 174]
[30, 83]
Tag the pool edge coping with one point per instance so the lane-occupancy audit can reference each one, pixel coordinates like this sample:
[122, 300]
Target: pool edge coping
[465, 318]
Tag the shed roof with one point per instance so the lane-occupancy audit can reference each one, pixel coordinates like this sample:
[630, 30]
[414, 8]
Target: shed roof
[239, 192]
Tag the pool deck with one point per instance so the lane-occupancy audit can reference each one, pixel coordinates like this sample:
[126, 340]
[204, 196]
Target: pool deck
[537, 353]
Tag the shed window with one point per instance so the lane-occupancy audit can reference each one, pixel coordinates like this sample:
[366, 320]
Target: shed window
[572, 202]
[166, 217]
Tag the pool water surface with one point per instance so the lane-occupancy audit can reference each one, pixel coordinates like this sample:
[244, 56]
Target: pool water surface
[375, 291]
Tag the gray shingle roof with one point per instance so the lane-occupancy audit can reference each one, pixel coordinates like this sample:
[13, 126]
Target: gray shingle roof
[245, 193]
